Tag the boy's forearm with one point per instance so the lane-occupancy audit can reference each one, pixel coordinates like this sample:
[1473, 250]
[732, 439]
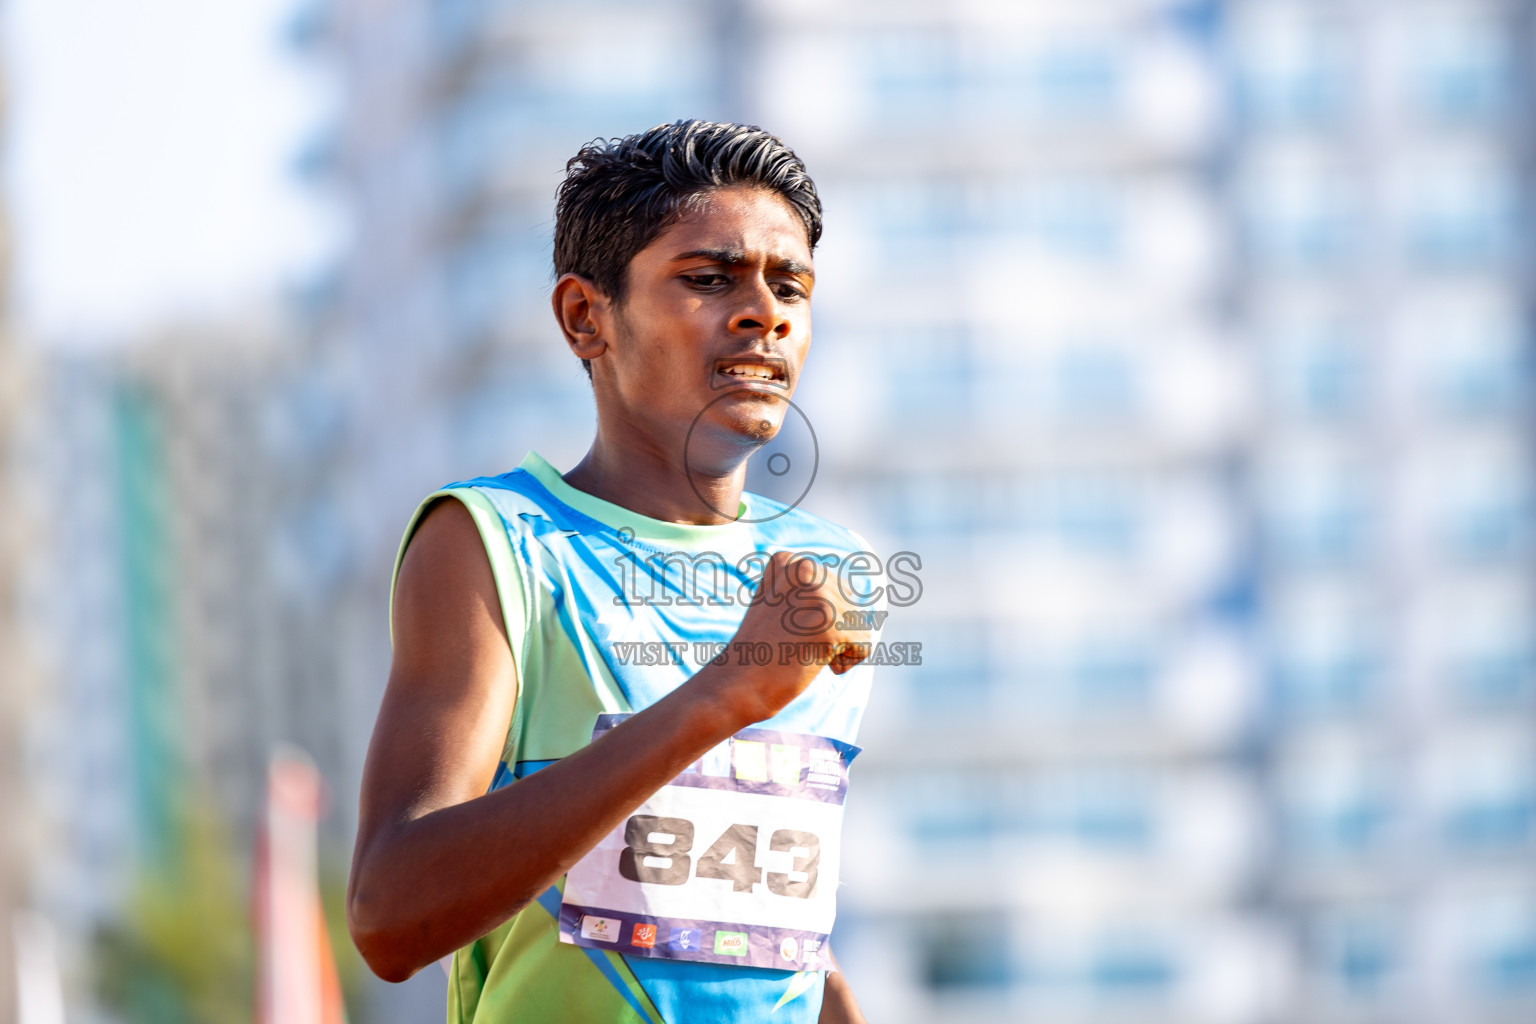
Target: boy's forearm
[415, 895]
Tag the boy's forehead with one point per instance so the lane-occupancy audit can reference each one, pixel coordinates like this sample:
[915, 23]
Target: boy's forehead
[747, 221]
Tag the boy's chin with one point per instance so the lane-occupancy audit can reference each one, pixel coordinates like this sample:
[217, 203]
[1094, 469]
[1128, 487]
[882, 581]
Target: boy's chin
[729, 439]
[754, 417]
[759, 430]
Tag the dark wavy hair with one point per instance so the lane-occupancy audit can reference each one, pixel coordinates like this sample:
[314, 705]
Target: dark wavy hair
[619, 194]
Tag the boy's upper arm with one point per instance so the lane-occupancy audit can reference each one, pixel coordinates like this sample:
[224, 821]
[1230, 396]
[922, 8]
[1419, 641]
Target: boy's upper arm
[453, 681]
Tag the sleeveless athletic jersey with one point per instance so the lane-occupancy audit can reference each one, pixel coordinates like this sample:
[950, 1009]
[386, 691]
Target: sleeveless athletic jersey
[566, 566]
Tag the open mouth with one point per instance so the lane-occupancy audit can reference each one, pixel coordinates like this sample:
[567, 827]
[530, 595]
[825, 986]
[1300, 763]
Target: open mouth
[750, 371]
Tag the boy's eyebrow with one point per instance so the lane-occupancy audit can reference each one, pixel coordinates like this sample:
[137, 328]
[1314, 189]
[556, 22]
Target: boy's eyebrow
[738, 258]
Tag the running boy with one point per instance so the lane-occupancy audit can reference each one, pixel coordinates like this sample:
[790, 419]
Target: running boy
[606, 838]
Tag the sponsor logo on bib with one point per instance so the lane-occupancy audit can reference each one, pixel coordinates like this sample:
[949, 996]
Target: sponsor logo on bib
[644, 936]
[789, 948]
[685, 939]
[602, 929]
[751, 760]
[731, 943]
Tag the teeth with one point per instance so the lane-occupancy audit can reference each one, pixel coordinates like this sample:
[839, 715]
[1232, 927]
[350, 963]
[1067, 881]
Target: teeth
[759, 372]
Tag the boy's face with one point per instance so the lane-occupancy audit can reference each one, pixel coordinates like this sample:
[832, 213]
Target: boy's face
[714, 326]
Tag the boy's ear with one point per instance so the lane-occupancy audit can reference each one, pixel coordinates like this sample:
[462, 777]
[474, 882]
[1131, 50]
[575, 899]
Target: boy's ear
[582, 311]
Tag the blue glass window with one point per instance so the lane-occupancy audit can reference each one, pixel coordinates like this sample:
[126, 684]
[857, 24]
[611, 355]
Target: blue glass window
[937, 509]
[1333, 808]
[1082, 218]
[1495, 666]
[941, 71]
[1462, 68]
[1291, 71]
[1325, 660]
[1324, 684]
[1318, 371]
[1487, 514]
[1078, 77]
[957, 671]
[1121, 970]
[959, 821]
[1492, 819]
[492, 276]
[1317, 517]
[1480, 367]
[1108, 811]
[1463, 215]
[957, 953]
[1495, 952]
[1299, 218]
[1106, 676]
[1508, 967]
[456, 22]
[1096, 514]
[1096, 383]
[915, 73]
[1113, 813]
[931, 373]
[1357, 949]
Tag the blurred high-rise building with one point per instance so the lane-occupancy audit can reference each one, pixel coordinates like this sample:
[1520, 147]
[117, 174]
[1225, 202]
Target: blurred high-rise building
[29, 980]
[17, 680]
[1186, 344]
[171, 588]
[1377, 175]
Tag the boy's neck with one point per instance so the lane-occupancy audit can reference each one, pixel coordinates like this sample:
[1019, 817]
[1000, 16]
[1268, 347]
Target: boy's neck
[644, 478]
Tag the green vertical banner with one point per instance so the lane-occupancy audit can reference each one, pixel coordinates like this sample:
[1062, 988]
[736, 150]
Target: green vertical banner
[149, 624]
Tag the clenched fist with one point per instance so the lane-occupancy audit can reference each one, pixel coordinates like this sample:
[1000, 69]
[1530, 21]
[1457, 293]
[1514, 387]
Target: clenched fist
[797, 607]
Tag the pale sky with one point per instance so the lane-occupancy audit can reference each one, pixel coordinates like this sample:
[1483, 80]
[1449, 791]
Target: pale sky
[148, 152]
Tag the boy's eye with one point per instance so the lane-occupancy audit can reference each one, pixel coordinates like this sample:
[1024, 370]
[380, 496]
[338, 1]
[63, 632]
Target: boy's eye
[707, 280]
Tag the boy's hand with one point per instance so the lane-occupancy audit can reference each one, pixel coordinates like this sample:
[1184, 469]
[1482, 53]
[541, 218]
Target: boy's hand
[797, 604]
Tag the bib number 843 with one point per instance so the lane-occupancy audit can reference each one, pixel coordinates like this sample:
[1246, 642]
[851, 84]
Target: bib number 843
[731, 857]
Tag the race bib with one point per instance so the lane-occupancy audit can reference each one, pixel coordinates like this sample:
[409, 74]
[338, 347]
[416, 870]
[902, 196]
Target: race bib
[735, 861]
